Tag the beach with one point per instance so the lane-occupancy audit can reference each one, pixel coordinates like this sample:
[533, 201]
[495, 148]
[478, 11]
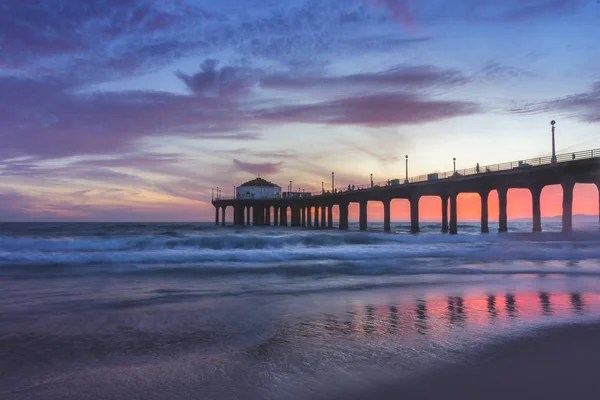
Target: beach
[194, 311]
[551, 363]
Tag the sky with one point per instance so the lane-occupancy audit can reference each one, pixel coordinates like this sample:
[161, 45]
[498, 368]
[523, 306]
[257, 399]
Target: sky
[134, 110]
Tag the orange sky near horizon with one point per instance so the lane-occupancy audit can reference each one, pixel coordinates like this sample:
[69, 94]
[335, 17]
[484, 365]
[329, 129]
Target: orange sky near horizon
[585, 201]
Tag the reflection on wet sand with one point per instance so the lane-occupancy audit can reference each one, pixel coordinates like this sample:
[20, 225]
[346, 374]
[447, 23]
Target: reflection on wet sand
[421, 322]
[511, 305]
[456, 311]
[439, 315]
[577, 303]
[491, 307]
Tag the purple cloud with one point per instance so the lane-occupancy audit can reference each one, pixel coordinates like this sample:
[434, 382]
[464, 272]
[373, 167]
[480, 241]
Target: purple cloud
[585, 106]
[260, 169]
[382, 109]
[48, 119]
[401, 77]
[101, 38]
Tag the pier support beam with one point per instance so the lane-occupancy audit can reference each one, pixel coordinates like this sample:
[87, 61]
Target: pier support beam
[268, 215]
[363, 215]
[444, 213]
[502, 215]
[330, 216]
[323, 217]
[247, 215]
[344, 216]
[296, 220]
[276, 215]
[238, 215]
[309, 216]
[536, 195]
[387, 213]
[217, 216]
[567, 217]
[303, 215]
[316, 216]
[255, 215]
[283, 220]
[223, 215]
[453, 214]
[414, 214]
[485, 195]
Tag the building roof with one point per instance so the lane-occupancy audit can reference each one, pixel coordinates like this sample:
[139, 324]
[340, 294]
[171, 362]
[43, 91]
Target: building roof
[259, 182]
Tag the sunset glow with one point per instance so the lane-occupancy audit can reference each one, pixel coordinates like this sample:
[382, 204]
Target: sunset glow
[145, 112]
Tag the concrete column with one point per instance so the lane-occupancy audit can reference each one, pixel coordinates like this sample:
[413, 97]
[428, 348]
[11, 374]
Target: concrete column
[303, 215]
[453, 214]
[502, 217]
[217, 215]
[323, 217]
[295, 216]
[276, 215]
[262, 215]
[536, 195]
[567, 217]
[485, 195]
[316, 216]
[247, 215]
[309, 216]
[283, 220]
[363, 215]
[256, 215]
[387, 226]
[414, 214]
[444, 213]
[330, 216]
[268, 215]
[223, 215]
[344, 216]
[236, 215]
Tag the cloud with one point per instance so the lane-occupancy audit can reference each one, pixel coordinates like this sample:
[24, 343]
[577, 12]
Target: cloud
[399, 77]
[13, 205]
[94, 39]
[400, 10]
[584, 106]
[260, 169]
[227, 82]
[375, 110]
[48, 119]
[493, 70]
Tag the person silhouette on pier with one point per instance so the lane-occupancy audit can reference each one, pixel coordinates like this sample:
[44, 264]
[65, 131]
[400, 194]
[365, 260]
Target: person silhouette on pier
[477, 168]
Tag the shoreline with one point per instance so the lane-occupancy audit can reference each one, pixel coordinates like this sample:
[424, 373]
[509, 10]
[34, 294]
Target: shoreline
[558, 362]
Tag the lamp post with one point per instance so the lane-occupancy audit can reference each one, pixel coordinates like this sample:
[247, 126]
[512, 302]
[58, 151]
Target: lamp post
[217, 193]
[234, 193]
[212, 194]
[406, 179]
[371, 180]
[454, 159]
[323, 187]
[553, 159]
[290, 186]
[332, 182]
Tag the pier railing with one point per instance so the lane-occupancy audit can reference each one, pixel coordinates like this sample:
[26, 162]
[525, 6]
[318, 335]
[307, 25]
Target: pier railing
[486, 169]
[521, 164]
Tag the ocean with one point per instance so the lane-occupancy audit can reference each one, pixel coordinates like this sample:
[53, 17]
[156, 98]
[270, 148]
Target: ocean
[195, 311]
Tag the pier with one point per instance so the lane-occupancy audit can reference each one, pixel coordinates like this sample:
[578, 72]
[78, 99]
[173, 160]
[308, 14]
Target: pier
[316, 209]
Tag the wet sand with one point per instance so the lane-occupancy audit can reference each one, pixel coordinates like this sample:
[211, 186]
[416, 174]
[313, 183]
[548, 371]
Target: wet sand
[555, 363]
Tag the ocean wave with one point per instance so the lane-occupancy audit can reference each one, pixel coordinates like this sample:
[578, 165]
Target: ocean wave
[264, 239]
